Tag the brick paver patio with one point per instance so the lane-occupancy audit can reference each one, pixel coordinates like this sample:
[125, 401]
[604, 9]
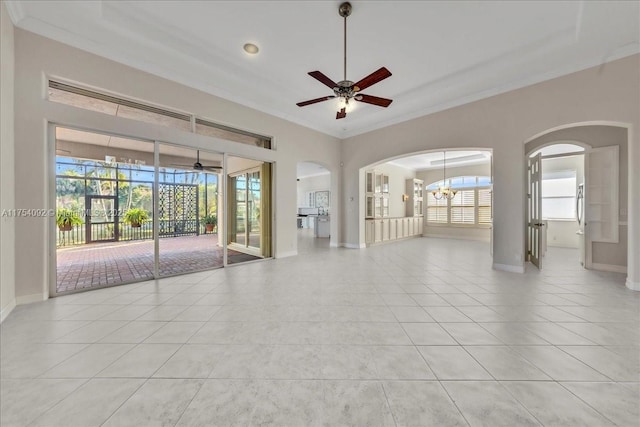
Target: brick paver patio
[101, 264]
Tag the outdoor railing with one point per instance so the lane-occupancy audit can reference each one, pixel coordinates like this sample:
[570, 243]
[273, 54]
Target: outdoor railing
[106, 232]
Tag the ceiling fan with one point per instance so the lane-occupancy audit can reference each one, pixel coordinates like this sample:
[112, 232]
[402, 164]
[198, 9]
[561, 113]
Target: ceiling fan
[199, 166]
[347, 89]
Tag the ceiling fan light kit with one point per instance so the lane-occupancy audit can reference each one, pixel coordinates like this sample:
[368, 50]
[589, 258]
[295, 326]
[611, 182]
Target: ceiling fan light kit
[346, 89]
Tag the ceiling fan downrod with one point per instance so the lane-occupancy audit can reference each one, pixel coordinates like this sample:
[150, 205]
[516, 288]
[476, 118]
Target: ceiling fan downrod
[345, 10]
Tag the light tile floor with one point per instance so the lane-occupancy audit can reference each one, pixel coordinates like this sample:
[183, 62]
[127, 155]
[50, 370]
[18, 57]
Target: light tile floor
[419, 332]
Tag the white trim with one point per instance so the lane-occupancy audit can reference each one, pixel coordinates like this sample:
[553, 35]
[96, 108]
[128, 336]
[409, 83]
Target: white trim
[509, 268]
[286, 254]
[609, 267]
[28, 299]
[634, 286]
[334, 245]
[353, 245]
[4, 313]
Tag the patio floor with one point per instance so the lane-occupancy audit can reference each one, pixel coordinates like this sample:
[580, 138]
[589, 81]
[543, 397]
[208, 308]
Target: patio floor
[101, 264]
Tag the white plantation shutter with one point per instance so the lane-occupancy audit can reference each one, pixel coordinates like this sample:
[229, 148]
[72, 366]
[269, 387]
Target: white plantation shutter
[436, 209]
[463, 207]
[470, 207]
[484, 206]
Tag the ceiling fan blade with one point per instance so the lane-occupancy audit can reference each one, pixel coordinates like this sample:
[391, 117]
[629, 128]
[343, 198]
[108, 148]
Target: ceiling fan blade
[341, 114]
[380, 102]
[373, 78]
[212, 167]
[323, 79]
[313, 101]
[182, 166]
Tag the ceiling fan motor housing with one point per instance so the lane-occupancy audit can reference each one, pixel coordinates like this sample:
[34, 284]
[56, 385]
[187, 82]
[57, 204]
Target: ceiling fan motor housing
[345, 9]
[345, 89]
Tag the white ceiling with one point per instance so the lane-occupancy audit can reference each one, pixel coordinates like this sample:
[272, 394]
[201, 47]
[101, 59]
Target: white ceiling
[435, 160]
[441, 53]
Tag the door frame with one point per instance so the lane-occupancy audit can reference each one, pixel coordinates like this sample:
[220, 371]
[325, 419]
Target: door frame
[527, 157]
[250, 250]
[534, 211]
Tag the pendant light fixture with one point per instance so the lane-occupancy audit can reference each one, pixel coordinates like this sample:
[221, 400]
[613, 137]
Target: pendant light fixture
[444, 191]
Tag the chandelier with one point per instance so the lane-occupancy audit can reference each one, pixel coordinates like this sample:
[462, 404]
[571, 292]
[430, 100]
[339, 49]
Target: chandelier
[444, 191]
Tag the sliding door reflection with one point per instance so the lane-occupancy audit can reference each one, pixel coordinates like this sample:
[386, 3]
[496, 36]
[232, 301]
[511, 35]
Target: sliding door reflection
[249, 205]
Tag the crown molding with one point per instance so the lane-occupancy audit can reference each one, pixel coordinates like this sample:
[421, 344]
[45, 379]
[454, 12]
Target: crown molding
[16, 11]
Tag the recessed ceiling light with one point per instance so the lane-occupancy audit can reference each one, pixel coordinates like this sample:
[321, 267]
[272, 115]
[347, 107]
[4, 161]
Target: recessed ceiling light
[250, 48]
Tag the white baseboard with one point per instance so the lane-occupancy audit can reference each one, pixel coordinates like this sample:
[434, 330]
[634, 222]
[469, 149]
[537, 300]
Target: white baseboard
[353, 245]
[286, 254]
[509, 268]
[634, 286]
[609, 267]
[28, 299]
[334, 245]
[7, 309]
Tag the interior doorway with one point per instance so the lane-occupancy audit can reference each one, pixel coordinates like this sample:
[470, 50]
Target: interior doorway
[555, 203]
[578, 204]
[313, 210]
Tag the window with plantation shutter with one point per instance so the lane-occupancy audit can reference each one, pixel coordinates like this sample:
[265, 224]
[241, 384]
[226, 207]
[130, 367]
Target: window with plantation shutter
[484, 206]
[463, 207]
[471, 205]
[436, 209]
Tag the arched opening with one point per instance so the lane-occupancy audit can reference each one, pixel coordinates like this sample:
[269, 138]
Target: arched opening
[577, 198]
[403, 196]
[313, 206]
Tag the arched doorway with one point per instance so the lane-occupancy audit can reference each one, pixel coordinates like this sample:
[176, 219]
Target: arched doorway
[605, 191]
[410, 202]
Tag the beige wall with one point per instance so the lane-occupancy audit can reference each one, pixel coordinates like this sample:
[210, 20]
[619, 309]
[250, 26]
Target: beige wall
[504, 123]
[38, 57]
[7, 178]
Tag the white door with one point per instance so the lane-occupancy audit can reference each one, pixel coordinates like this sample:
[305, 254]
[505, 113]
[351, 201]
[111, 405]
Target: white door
[534, 212]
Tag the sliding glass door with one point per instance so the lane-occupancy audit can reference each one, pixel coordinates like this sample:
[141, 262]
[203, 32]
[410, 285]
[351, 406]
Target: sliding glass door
[187, 210]
[104, 210]
[249, 205]
[130, 210]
